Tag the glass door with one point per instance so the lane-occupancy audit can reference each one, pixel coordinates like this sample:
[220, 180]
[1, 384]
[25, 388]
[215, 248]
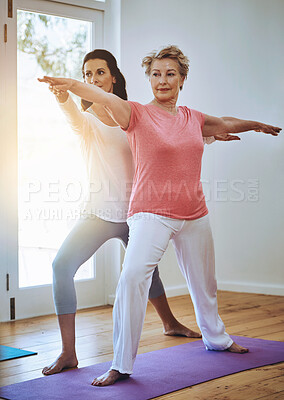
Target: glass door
[45, 171]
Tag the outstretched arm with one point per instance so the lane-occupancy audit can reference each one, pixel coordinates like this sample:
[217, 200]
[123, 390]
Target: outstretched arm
[214, 126]
[119, 109]
[74, 116]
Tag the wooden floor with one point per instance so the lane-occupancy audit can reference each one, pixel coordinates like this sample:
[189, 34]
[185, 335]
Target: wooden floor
[257, 316]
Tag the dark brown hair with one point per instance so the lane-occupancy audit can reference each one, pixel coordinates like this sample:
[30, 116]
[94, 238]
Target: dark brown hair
[119, 88]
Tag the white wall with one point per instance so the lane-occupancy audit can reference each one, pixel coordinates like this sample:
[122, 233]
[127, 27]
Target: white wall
[237, 59]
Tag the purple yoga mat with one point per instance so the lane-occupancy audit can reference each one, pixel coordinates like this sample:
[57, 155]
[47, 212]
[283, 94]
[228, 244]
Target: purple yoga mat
[155, 373]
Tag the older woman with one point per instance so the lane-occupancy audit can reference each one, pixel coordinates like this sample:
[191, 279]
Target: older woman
[167, 202]
[109, 161]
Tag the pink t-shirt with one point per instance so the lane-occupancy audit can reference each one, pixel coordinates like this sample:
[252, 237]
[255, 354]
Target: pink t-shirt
[167, 151]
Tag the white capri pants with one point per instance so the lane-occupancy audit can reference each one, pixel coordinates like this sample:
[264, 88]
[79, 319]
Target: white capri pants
[149, 235]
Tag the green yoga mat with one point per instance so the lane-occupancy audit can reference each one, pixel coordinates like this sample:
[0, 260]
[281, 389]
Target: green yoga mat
[8, 353]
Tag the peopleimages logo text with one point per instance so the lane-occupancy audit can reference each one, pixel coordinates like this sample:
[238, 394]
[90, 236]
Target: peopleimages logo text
[232, 190]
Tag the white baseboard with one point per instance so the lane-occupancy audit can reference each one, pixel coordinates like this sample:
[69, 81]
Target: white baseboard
[180, 290]
[240, 287]
[277, 290]
[110, 299]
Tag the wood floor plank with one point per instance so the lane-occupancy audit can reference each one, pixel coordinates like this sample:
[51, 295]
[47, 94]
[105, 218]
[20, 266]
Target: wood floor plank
[244, 314]
[276, 396]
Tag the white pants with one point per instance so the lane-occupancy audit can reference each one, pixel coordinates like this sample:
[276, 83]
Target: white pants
[149, 235]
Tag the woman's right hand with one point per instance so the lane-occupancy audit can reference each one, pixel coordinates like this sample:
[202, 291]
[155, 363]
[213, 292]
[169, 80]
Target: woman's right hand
[58, 86]
[58, 83]
[61, 95]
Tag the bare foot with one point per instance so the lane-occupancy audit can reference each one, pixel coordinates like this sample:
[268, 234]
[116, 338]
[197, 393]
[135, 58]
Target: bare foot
[62, 362]
[177, 329]
[235, 348]
[109, 378]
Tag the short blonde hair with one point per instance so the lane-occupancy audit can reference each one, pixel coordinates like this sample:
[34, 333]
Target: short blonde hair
[172, 52]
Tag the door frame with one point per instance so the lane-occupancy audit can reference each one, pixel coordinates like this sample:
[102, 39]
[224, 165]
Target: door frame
[41, 296]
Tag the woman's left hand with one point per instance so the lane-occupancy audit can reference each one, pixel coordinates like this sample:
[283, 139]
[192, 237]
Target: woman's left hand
[57, 84]
[226, 137]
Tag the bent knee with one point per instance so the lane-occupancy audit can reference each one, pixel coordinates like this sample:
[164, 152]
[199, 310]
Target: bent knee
[61, 266]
